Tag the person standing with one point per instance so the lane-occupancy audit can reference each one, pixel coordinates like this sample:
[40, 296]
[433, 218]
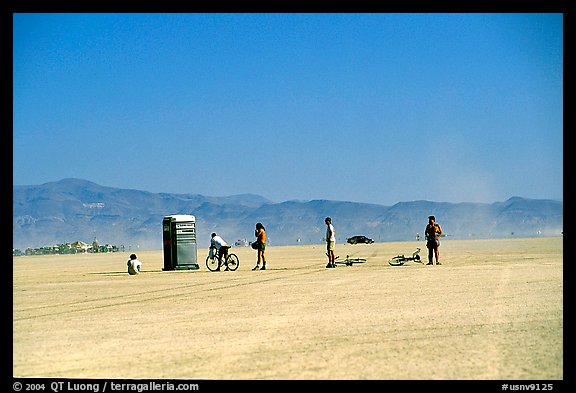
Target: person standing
[260, 246]
[216, 242]
[433, 233]
[134, 265]
[330, 242]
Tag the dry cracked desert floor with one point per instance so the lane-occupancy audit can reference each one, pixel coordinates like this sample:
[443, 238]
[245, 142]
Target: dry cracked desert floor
[492, 310]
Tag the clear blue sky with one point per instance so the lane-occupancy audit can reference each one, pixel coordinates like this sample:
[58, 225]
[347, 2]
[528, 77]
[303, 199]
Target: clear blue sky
[377, 108]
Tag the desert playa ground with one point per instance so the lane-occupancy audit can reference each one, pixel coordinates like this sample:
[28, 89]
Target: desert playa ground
[493, 310]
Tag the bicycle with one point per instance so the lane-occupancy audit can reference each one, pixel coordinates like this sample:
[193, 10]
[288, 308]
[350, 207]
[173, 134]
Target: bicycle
[348, 261]
[231, 262]
[399, 260]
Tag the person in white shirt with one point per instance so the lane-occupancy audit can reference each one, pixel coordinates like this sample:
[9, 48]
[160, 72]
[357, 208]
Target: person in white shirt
[221, 249]
[330, 241]
[134, 265]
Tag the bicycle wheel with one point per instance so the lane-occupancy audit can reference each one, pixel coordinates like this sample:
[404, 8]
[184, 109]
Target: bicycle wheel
[397, 261]
[212, 263]
[233, 262]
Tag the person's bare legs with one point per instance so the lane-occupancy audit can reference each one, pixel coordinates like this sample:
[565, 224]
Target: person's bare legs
[331, 258]
[262, 256]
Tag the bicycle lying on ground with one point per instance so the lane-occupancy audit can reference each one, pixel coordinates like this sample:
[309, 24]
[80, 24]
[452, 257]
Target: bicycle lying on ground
[399, 260]
[231, 262]
[348, 261]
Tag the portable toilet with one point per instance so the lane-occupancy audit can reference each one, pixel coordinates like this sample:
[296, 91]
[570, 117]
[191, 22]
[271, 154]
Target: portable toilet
[179, 239]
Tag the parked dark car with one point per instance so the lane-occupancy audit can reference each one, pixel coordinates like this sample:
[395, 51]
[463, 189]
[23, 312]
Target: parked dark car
[359, 239]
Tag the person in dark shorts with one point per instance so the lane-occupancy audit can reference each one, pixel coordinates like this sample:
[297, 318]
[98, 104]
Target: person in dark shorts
[433, 233]
[260, 246]
[221, 247]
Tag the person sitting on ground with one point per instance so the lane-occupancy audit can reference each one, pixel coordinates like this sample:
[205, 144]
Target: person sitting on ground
[221, 248]
[134, 265]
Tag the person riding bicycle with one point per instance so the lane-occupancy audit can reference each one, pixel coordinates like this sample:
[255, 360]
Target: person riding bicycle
[221, 248]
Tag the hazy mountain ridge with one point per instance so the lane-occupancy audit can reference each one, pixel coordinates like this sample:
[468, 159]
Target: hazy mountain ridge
[76, 209]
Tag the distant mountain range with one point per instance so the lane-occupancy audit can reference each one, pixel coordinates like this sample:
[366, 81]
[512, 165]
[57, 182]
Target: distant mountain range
[73, 209]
